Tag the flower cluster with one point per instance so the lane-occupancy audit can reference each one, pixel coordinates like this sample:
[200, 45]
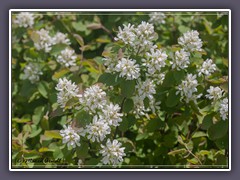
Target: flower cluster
[61, 38]
[155, 60]
[98, 129]
[67, 90]
[24, 19]
[207, 68]
[223, 109]
[157, 18]
[188, 88]
[45, 41]
[128, 68]
[190, 41]
[67, 58]
[70, 136]
[181, 60]
[139, 38]
[112, 153]
[93, 99]
[216, 94]
[32, 72]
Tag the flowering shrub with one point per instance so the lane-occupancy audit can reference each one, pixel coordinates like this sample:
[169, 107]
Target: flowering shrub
[148, 90]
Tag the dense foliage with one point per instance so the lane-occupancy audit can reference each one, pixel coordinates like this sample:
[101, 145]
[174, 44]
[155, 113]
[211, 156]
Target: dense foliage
[121, 90]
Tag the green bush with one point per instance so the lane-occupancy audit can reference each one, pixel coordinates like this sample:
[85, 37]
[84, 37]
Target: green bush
[126, 90]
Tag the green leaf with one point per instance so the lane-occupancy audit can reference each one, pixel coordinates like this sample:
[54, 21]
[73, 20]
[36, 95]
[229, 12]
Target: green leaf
[178, 151]
[57, 153]
[172, 99]
[83, 118]
[56, 112]
[218, 130]
[127, 88]
[21, 120]
[38, 114]
[32, 154]
[109, 79]
[124, 125]
[35, 133]
[154, 124]
[179, 76]
[194, 107]
[142, 136]
[43, 90]
[60, 73]
[207, 122]
[82, 151]
[222, 143]
[56, 49]
[199, 134]
[53, 134]
[169, 79]
[128, 105]
[170, 139]
[79, 39]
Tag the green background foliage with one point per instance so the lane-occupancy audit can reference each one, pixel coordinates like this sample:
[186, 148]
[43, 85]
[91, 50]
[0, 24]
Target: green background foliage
[180, 136]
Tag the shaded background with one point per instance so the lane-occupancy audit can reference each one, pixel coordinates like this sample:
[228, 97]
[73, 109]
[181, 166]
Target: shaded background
[70, 4]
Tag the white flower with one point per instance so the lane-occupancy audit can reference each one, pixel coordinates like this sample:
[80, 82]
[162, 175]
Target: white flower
[146, 30]
[139, 107]
[214, 93]
[67, 90]
[224, 109]
[98, 129]
[67, 58]
[80, 163]
[45, 41]
[145, 36]
[61, 38]
[139, 38]
[110, 63]
[207, 68]
[126, 34]
[156, 60]
[70, 137]
[93, 98]
[111, 114]
[188, 87]
[24, 19]
[32, 72]
[146, 89]
[128, 68]
[190, 41]
[157, 18]
[112, 153]
[181, 60]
